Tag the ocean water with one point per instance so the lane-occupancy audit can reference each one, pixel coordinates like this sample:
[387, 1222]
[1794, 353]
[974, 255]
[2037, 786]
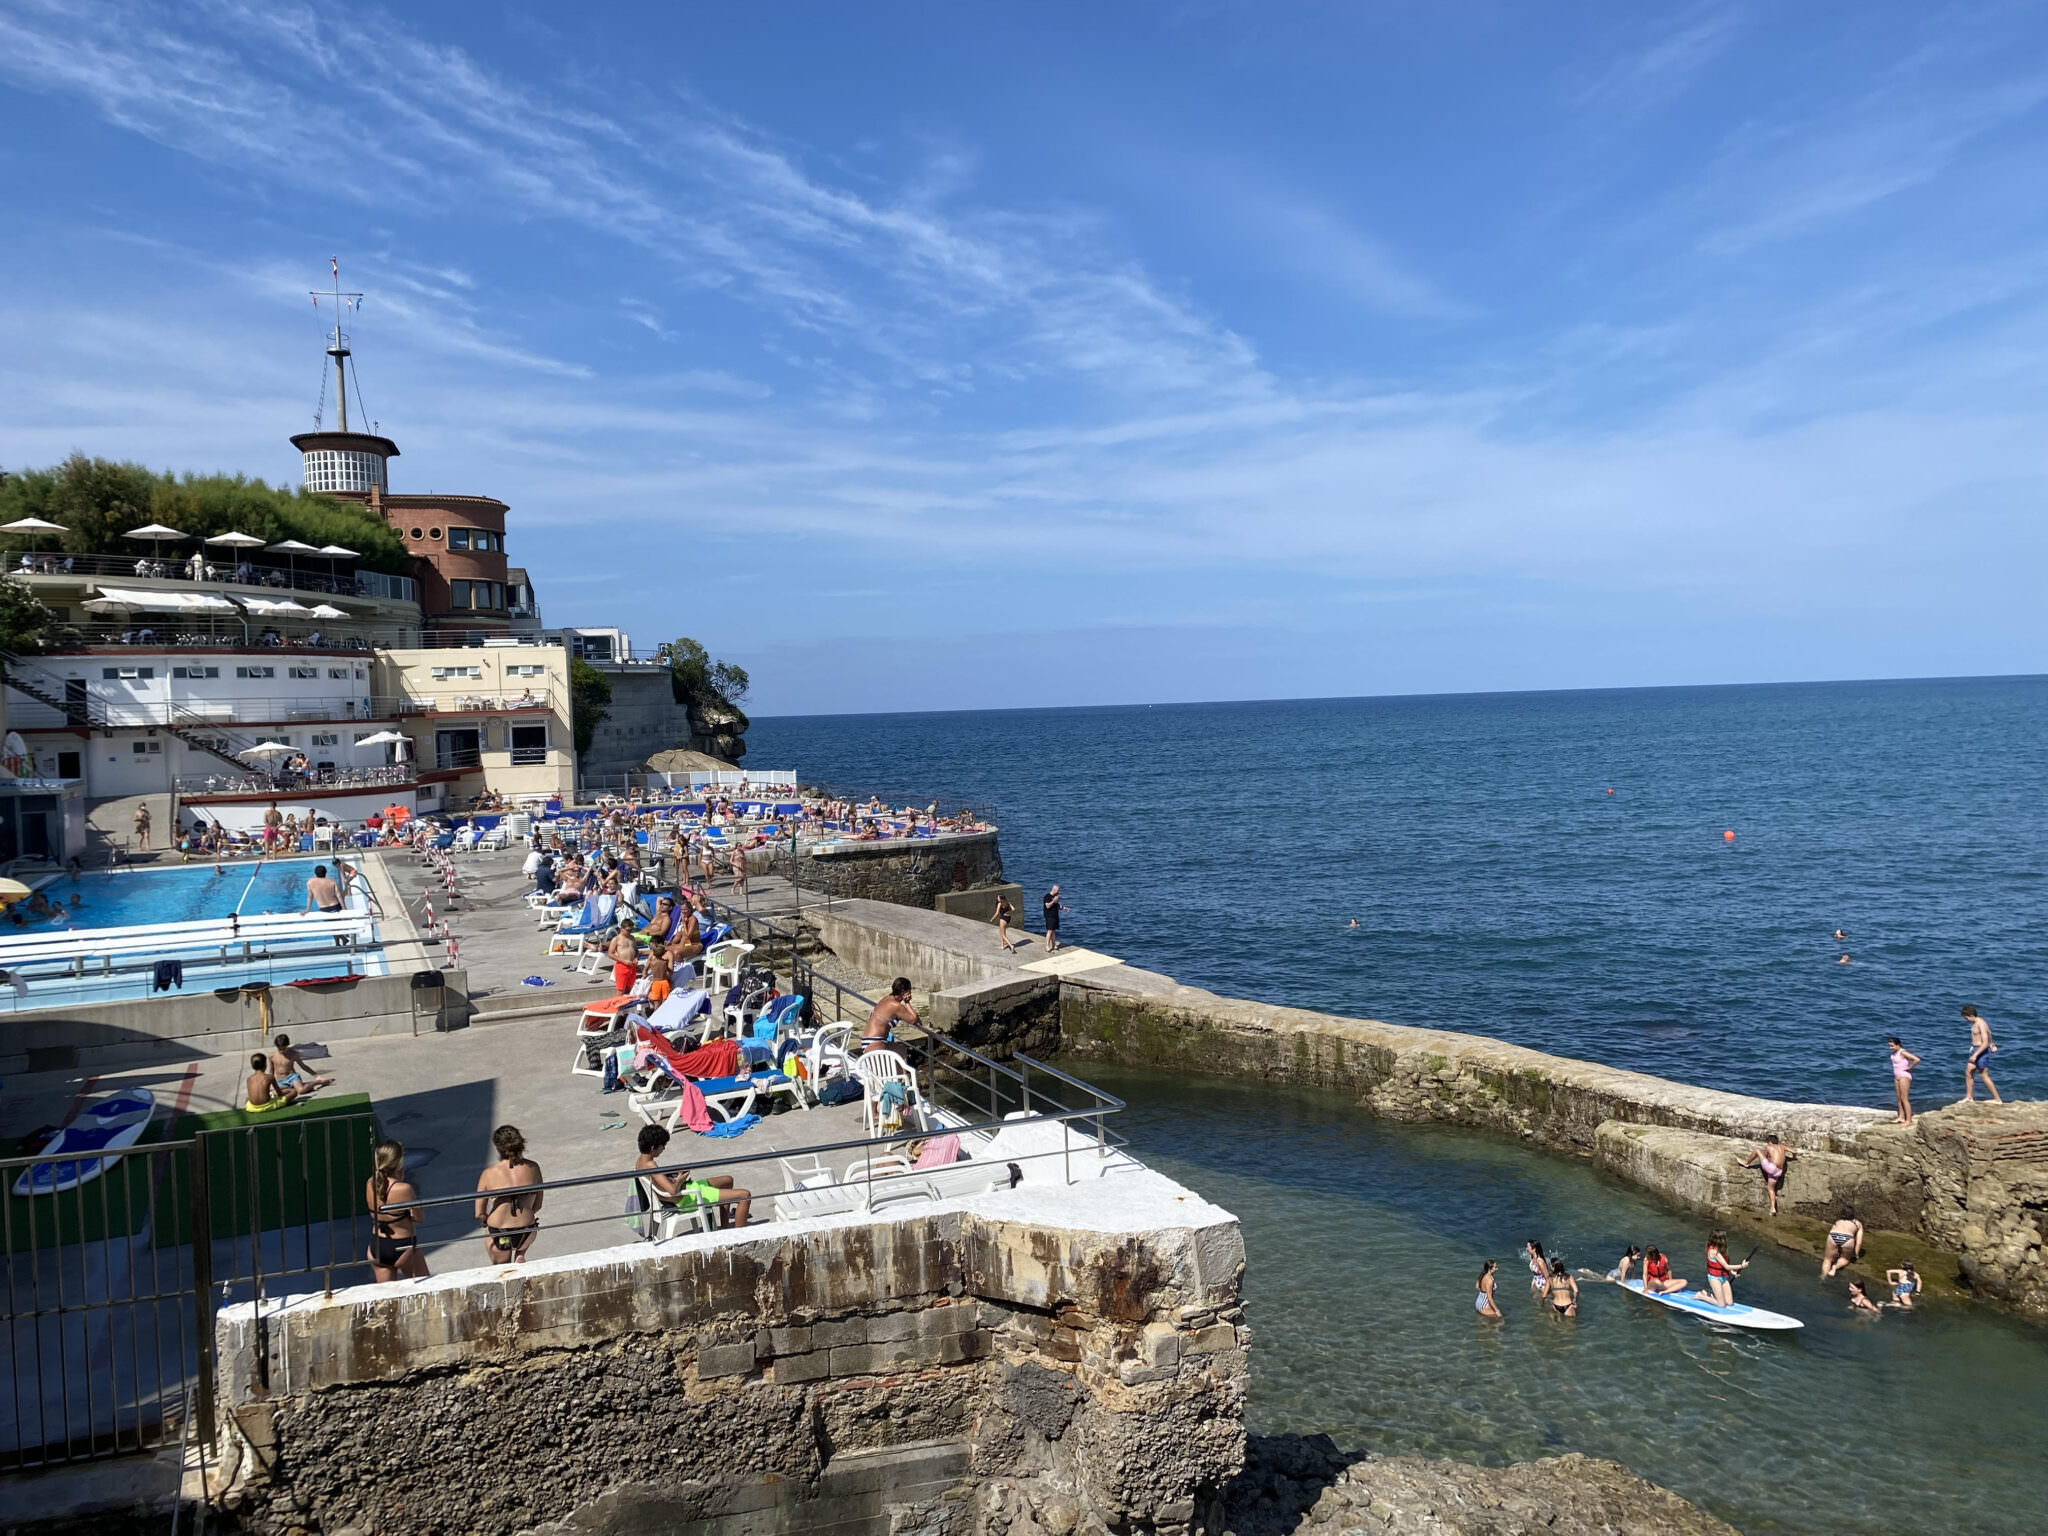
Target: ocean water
[1500, 888]
[1363, 1241]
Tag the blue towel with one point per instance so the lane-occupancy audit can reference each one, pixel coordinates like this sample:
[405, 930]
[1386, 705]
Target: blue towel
[725, 1128]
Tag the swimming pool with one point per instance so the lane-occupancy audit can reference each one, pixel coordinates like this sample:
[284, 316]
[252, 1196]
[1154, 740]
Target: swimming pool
[118, 924]
[124, 898]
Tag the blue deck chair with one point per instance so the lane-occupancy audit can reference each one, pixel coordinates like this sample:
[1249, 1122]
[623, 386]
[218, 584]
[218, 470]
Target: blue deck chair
[595, 917]
[760, 1040]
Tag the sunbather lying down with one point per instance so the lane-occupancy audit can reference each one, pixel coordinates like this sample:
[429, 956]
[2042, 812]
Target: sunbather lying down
[678, 1191]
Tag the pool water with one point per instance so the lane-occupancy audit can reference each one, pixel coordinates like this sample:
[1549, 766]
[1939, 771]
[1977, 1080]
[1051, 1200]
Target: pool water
[1364, 1239]
[185, 893]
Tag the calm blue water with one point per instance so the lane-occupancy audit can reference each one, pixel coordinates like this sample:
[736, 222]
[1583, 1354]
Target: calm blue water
[1363, 1240]
[1498, 887]
[185, 893]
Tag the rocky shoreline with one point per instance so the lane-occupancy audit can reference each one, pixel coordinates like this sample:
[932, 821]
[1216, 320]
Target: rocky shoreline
[1296, 1485]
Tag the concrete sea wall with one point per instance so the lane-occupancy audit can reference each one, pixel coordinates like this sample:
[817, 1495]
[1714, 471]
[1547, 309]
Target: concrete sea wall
[914, 873]
[1069, 1362]
[1968, 1182]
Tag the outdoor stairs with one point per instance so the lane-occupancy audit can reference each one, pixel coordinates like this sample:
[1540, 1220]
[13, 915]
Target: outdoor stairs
[29, 677]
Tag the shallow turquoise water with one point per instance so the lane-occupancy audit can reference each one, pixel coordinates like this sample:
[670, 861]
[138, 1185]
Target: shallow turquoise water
[186, 893]
[1364, 1240]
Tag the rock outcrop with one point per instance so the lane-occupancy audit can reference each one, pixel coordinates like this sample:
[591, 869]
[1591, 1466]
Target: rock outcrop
[1304, 1486]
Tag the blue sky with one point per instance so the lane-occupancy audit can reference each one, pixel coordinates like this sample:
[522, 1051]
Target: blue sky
[944, 356]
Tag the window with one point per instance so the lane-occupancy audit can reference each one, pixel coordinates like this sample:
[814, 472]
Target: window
[195, 672]
[433, 533]
[343, 469]
[529, 745]
[324, 739]
[458, 538]
[340, 672]
[476, 594]
[361, 674]
[458, 674]
[303, 672]
[419, 533]
[127, 674]
[148, 748]
[255, 671]
[526, 669]
[476, 538]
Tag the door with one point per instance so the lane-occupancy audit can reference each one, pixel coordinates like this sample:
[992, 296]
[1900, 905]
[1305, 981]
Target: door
[70, 766]
[459, 748]
[529, 745]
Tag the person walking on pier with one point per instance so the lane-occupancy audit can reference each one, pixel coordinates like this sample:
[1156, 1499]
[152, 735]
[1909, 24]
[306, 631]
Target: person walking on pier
[1981, 1046]
[1004, 912]
[1053, 908]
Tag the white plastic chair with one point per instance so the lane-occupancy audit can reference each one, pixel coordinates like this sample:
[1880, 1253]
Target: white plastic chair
[722, 963]
[874, 1069]
[662, 1219]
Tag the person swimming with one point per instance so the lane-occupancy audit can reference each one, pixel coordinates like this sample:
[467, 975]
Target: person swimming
[1859, 1300]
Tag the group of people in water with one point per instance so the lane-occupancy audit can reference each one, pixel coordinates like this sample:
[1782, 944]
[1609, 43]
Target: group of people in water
[1553, 1282]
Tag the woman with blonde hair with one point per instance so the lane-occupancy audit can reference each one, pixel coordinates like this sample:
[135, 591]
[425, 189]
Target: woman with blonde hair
[394, 1223]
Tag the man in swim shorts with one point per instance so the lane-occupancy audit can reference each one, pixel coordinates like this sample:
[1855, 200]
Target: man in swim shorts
[1981, 1049]
[289, 1067]
[322, 894]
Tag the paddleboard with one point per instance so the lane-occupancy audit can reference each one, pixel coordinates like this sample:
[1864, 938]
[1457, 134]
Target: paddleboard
[1739, 1315]
[107, 1128]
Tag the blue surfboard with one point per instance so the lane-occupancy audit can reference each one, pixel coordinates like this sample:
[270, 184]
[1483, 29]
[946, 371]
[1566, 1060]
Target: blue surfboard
[1737, 1316]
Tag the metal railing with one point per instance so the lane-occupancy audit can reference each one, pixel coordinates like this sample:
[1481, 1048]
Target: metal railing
[512, 701]
[168, 633]
[257, 575]
[374, 777]
[113, 1279]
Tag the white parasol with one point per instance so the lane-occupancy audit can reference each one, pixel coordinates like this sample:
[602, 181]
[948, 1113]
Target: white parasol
[327, 611]
[32, 526]
[291, 549]
[156, 533]
[265, 749]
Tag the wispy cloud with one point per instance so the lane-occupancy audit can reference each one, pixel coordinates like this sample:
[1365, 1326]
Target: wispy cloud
[1641, 79]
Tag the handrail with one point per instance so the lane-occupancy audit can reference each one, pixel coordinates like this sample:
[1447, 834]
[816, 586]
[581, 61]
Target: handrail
[223, 573]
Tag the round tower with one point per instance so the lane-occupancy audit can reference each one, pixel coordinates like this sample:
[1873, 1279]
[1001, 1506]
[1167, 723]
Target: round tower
[343, 462]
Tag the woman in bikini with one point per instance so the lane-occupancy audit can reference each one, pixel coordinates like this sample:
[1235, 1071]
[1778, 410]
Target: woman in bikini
[1844, 1245]
[1903, 1063]
[394, 1224]
[1483, 1303]
[1564, 1290]
[1859, 1300]
[1772, 1158]
[1004, 912]
[1905, 1284]
[1619, 1274]
[511, 1219]
[1539, 1267]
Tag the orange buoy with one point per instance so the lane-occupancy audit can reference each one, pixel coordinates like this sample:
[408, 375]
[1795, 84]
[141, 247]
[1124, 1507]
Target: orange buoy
[1610, 791]
[1728, 836]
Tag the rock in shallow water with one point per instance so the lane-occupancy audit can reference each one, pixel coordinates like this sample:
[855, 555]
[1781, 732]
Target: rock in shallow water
[1304, 1486]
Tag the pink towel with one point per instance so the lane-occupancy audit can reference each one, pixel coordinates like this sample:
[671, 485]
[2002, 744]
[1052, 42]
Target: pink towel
[938, 1152]
[694, 1113]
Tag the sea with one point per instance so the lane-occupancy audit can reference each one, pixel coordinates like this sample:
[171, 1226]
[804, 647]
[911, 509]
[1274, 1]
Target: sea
[1553, 869]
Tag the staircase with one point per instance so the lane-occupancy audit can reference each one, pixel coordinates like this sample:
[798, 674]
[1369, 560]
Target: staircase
[85, 715]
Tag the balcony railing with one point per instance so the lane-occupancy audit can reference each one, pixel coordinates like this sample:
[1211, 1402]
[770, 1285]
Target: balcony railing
[258, 783]
[236, 573]
[462, 703]
[458, 757]
[175, 633]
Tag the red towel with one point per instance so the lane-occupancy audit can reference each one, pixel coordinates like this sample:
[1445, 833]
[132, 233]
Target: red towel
[721, 1058]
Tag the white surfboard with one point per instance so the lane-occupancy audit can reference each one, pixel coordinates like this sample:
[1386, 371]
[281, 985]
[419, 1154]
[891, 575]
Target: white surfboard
[105, 1128]
[1738, 1316]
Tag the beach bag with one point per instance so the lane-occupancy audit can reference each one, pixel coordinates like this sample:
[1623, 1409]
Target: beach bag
[636, 1212]
[840, 1090]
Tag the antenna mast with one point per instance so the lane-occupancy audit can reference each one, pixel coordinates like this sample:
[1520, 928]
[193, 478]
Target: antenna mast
[338, 347]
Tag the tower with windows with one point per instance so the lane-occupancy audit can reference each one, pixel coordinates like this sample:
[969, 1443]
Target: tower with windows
[343, 462]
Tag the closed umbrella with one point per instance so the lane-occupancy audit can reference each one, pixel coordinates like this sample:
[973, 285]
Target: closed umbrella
[291, 549]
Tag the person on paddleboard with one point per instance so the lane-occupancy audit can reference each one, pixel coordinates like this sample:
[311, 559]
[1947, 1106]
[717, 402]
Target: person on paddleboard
[1721, 1271]
[1619, 1274]
[1657, 1279]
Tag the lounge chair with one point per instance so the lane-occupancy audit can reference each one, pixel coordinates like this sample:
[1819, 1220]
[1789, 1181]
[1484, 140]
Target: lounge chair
[595, 918]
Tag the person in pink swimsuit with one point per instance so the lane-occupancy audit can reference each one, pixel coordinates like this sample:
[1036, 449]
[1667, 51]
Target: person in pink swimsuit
[1772, 1158]
[1903, 1063]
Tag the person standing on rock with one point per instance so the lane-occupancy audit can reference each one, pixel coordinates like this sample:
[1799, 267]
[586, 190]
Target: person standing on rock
[1980, 1047]
[1903, 1063]
[1053, 908]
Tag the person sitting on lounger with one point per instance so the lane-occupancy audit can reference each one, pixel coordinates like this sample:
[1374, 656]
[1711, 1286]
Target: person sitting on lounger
[263, 1092]
[678, 1191]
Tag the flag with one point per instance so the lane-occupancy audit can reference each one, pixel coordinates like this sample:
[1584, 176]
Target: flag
[335, 262]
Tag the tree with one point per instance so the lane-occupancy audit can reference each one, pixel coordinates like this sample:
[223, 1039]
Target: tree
[707, 686]
[590, 698]
[24, 621]
[98, 500]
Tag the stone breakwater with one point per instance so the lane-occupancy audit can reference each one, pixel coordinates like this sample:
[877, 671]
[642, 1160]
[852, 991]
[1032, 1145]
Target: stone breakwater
[1971, 1182]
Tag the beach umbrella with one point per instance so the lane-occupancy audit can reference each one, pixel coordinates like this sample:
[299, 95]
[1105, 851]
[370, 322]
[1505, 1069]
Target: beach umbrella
[234, 540]
[156, 533]
[33, 527]
[383, 739]
[12, 891]
[265, 749]
[327, 611]
[274, 605]
[335, 552]
[291, 549]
